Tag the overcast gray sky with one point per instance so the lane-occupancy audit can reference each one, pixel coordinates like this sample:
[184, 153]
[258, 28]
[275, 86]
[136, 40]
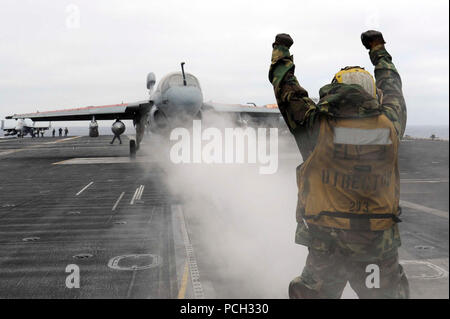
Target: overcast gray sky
[58, 54]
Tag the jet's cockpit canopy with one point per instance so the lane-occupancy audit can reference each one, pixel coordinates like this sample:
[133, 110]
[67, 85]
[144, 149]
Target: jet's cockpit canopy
[176, 79]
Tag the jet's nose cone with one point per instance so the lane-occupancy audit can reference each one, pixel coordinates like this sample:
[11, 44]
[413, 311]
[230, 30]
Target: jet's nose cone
[183, 100]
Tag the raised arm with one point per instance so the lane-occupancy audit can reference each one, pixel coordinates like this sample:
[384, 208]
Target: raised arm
[387, 80]
[292, 99]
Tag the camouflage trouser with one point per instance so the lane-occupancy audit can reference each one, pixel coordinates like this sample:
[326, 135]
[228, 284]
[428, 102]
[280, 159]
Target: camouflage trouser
[326, 274]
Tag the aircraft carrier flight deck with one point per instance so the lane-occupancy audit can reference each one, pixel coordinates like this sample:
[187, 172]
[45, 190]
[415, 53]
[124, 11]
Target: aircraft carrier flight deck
[80, 202]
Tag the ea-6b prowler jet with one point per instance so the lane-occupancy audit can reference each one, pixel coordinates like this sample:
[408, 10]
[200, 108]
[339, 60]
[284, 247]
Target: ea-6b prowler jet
[177, 97]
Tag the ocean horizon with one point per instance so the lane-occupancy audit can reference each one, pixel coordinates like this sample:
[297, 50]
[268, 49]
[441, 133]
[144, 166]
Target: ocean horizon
[418, 131]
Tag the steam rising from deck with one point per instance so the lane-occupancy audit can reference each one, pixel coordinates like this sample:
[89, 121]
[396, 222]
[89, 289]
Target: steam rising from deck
[242, 223]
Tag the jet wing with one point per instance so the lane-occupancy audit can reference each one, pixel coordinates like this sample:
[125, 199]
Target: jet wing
[125, 111]
[240, 108]
[245, 114]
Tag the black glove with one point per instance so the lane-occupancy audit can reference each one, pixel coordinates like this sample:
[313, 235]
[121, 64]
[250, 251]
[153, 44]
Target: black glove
[371, 38]
[283, 39]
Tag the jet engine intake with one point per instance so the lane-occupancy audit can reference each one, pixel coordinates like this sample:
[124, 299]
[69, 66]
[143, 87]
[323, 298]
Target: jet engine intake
[157, 120]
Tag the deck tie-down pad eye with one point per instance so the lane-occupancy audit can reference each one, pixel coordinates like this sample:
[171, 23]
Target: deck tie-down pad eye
[135, 262]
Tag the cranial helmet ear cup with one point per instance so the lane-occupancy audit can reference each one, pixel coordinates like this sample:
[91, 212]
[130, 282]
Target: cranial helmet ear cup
[356, 75]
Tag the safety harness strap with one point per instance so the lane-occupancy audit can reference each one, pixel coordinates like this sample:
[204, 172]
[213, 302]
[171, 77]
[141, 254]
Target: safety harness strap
[355, 216]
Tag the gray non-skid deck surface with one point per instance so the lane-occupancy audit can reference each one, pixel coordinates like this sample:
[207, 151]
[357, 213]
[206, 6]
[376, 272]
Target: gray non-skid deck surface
[38, 199]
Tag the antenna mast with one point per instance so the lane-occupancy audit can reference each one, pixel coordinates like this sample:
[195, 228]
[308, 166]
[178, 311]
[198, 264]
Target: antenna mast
[184, 75]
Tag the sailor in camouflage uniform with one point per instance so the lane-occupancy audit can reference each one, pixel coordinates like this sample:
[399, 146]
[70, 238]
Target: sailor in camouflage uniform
[349, 185]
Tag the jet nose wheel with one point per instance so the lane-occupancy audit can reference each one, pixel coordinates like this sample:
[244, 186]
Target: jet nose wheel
[132, 148]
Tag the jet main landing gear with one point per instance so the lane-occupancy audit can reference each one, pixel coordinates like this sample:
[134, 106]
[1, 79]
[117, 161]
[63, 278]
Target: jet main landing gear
[132, 148]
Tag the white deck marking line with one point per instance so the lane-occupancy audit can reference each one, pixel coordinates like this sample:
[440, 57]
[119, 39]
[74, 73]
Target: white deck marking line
[418, 181]
[190, 255]
[424, 209]
[134, 197]
[140, 192]
[114, 208]
[84, 188]
[103, 160]
[117, 202]
[136, 192]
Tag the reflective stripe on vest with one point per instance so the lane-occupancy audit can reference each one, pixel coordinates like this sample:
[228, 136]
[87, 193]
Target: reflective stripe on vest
[351, 180]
